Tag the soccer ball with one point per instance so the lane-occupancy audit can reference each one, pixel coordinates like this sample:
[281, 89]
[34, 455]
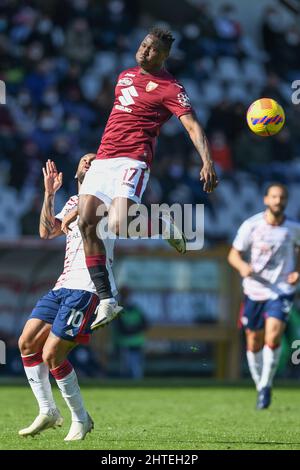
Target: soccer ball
[265, 117]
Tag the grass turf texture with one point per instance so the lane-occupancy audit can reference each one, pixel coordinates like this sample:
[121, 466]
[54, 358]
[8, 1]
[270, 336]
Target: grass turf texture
[161, 417]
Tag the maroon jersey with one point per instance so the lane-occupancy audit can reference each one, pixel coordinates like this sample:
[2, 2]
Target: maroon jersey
[143, 103]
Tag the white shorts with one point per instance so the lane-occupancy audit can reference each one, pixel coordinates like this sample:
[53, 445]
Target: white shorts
[116, 177]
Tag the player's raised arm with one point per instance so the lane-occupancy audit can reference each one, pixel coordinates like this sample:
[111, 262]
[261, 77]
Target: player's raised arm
[68, 219]
[50, 227]
[198, 137]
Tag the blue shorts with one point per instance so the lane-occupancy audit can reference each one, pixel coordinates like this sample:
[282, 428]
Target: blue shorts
[69, 311]
[254, 313]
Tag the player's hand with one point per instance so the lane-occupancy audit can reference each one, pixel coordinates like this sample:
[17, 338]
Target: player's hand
[209, 177]
[246, 270]
[52, 179]
[293, 278]
[67, 220]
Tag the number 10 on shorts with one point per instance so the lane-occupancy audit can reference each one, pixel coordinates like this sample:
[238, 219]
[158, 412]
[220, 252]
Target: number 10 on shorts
[75, 318]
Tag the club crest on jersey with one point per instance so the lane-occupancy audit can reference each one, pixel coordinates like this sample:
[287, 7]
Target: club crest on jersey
[151, 86]
[125, 81]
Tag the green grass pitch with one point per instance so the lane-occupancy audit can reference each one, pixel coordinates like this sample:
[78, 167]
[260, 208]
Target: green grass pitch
[161, 417]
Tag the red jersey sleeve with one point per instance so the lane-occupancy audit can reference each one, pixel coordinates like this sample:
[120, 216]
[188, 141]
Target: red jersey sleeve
[176, 100]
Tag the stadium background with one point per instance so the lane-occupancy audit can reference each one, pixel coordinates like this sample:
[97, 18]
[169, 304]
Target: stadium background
[59, 62]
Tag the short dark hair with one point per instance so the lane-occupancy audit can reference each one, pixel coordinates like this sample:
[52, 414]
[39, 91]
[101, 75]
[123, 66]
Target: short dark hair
[277, 185]
[164, 36]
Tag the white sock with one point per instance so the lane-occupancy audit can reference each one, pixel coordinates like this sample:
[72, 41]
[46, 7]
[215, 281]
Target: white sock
[67, 382]
[255, 363]
[270, 362]
[37, 373]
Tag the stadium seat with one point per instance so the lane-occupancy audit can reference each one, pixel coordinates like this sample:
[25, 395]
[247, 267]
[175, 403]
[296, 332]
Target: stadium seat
[238, 92]
[91, 85]
[105, 63]
[127, 60]
[228, 69]
[192, 90]
[212, 92]
[253, 72]
[203, 113]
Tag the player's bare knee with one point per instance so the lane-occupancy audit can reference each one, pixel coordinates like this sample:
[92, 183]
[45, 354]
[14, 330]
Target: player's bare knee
[49, 358]
[114, 225]
[273, 342]
[255, 347]
[254, 342]
[26, 346]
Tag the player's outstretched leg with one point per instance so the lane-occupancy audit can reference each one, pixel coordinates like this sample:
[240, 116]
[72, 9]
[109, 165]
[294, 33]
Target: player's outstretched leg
[264, 397]
[95, 255]
[108, 308]
[271, 354]
[55, 355]
[255, 341]
[172, 234]
[255, 363]
[31, 343]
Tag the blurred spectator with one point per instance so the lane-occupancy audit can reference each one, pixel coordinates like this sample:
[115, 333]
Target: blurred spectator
[85, 361]
[220, 151]
[221, 119]
[272, 89]
[31, 219]
[12, 205]
[293, 118]
[228, 30]
[79, 42]
[282, 147]
[291, 53]
[252, 153]
[129, 338]
[272, 30]
[46, 130]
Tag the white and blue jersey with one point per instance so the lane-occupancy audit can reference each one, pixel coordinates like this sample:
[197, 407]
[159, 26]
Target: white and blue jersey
[272, 253]
[75, 274]
[70, 306]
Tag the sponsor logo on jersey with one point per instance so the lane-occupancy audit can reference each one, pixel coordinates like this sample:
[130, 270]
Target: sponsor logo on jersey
[125, 81]
[184, 100]
[127, 95]
[151, 86]
[129, 74]
[123, 108]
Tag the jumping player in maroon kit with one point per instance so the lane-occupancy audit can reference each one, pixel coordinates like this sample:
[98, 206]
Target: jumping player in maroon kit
[146, 97]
